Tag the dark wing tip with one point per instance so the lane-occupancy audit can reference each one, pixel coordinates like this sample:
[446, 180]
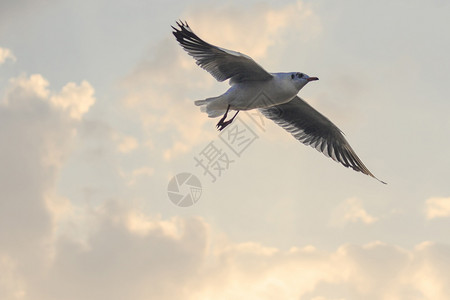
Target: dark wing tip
[383, 182]
[373, 176]
[355, 162]
[186, 37]
[182, 27]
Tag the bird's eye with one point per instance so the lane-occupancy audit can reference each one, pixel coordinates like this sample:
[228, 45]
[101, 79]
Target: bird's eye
[299, 75]
[292, 76]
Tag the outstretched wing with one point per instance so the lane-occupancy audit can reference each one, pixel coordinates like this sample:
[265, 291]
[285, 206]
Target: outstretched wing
[313, 129]
[219, 62]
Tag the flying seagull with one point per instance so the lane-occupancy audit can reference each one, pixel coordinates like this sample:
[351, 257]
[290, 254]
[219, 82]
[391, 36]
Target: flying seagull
[273, 94]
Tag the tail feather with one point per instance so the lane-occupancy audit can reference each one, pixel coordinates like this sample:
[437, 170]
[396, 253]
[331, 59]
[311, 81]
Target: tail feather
[202, 102]
[214, 107]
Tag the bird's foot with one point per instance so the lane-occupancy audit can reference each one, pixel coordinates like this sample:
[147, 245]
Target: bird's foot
[222, 123]
[222, 120]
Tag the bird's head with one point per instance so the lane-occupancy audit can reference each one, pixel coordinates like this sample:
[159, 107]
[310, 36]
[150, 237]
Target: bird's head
[301, 79]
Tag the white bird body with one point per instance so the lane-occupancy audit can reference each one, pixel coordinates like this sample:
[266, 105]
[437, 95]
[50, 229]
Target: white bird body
[273, 94]
[247, 95]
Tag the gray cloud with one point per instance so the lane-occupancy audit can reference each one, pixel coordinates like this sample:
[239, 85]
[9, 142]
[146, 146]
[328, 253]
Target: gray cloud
[128, 254]
[120, 264]
[36, 139]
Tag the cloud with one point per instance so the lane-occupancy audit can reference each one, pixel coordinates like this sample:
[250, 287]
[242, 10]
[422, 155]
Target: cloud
[126, 143]
[255, 28]
[11, 283]
[352, 211]
[37, 137]
[136, 255]
[101, 139]
[76, 100]
[6, 54]
[161, 90]
[39, 107]
[135, 175]
[437, 207]
[128, 254]
[24, 88]
[114, 250]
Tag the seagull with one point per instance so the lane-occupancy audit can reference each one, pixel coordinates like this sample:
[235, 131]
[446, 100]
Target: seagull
[273, 94]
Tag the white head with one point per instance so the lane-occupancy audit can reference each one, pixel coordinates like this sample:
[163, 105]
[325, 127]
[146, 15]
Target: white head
[301, 79]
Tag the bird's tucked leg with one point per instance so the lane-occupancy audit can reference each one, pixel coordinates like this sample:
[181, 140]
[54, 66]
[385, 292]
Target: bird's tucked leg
[222, 123]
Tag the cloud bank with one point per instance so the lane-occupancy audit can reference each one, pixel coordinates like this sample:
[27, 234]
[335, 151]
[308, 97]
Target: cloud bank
[130, 255]
[37, 136]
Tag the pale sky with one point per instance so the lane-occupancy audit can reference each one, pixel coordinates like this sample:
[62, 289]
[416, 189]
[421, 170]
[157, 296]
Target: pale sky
[97, 116]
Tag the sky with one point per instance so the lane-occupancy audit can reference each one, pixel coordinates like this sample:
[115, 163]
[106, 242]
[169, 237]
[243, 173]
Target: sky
[97, 118]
